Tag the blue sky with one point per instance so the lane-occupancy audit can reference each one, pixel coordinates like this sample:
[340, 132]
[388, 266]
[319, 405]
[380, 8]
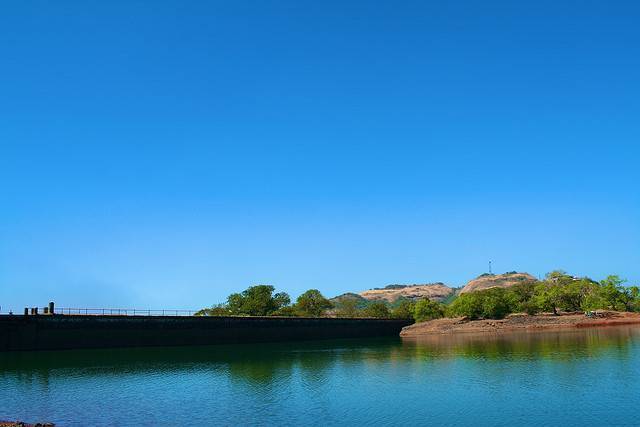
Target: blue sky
[165, 154]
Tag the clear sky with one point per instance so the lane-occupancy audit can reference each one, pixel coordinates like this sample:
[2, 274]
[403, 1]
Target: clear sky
[161, 154]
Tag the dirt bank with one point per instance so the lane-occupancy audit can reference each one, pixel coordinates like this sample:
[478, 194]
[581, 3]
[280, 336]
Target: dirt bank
[520, 322]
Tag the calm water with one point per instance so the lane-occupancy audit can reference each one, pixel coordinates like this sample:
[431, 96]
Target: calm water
[578, 378]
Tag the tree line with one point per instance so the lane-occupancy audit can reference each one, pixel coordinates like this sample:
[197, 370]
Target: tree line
[558, 292]
[262, 300]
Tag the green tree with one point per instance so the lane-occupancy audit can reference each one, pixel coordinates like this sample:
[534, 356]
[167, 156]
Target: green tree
[467, 305]
[521, 298]
[523, 301]
[522, 292]
[403, 310]
[377, 309]
[630, 297]
[425, 309]
[312, 303]
[257, 300]
[549, 296]
[348, 307]
[493, 303]
[635, 293]
[611, 290]
[215, 310]
[594, 301]
[575, 293]
[617, 296]
[556, 275]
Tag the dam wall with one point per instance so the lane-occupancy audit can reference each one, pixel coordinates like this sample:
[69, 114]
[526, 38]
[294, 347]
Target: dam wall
[59, 332]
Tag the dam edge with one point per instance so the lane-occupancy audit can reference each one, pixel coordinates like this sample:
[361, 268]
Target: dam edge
[66, 332]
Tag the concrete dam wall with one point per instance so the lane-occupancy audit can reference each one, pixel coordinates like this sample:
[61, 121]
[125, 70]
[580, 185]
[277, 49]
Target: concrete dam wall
[57, 332]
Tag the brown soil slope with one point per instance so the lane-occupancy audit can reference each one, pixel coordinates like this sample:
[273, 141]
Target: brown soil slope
[497, 281]
[434, 291]
[519, 322]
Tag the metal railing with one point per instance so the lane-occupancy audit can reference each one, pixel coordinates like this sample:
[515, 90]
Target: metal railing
[121, 312]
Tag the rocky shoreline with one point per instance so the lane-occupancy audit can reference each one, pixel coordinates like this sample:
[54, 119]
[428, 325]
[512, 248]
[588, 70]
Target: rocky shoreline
[521, 323]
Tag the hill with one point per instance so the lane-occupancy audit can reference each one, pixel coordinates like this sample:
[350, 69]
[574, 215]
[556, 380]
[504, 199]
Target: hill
[359, 302]
[486, 281]
[433, 291]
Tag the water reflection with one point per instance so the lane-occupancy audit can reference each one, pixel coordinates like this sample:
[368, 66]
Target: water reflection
[448, 380]
[265, 362]
[260, 364]
[556, 345]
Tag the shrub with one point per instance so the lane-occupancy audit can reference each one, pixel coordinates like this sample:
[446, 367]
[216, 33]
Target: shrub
[467, 305]
[492, 303]
[216, 310]
[287, 311]
[312, 303]
[348, 307]
[425, 309]
[377, 309]
[404, 310]
[257, 301]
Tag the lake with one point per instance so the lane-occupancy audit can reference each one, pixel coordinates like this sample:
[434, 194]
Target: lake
[569, 378]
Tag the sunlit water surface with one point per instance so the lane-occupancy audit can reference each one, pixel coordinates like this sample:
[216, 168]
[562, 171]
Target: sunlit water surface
[572, 378]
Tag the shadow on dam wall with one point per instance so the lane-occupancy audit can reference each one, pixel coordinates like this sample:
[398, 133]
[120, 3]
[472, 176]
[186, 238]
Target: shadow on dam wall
[58, 332]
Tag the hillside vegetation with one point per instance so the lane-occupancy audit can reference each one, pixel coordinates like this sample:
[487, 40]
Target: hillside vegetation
[487, 281]
[558, 292]
[434, 291]
[486, 297]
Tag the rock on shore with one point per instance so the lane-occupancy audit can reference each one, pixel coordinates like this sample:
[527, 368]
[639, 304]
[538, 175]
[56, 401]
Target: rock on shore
[519, 322]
